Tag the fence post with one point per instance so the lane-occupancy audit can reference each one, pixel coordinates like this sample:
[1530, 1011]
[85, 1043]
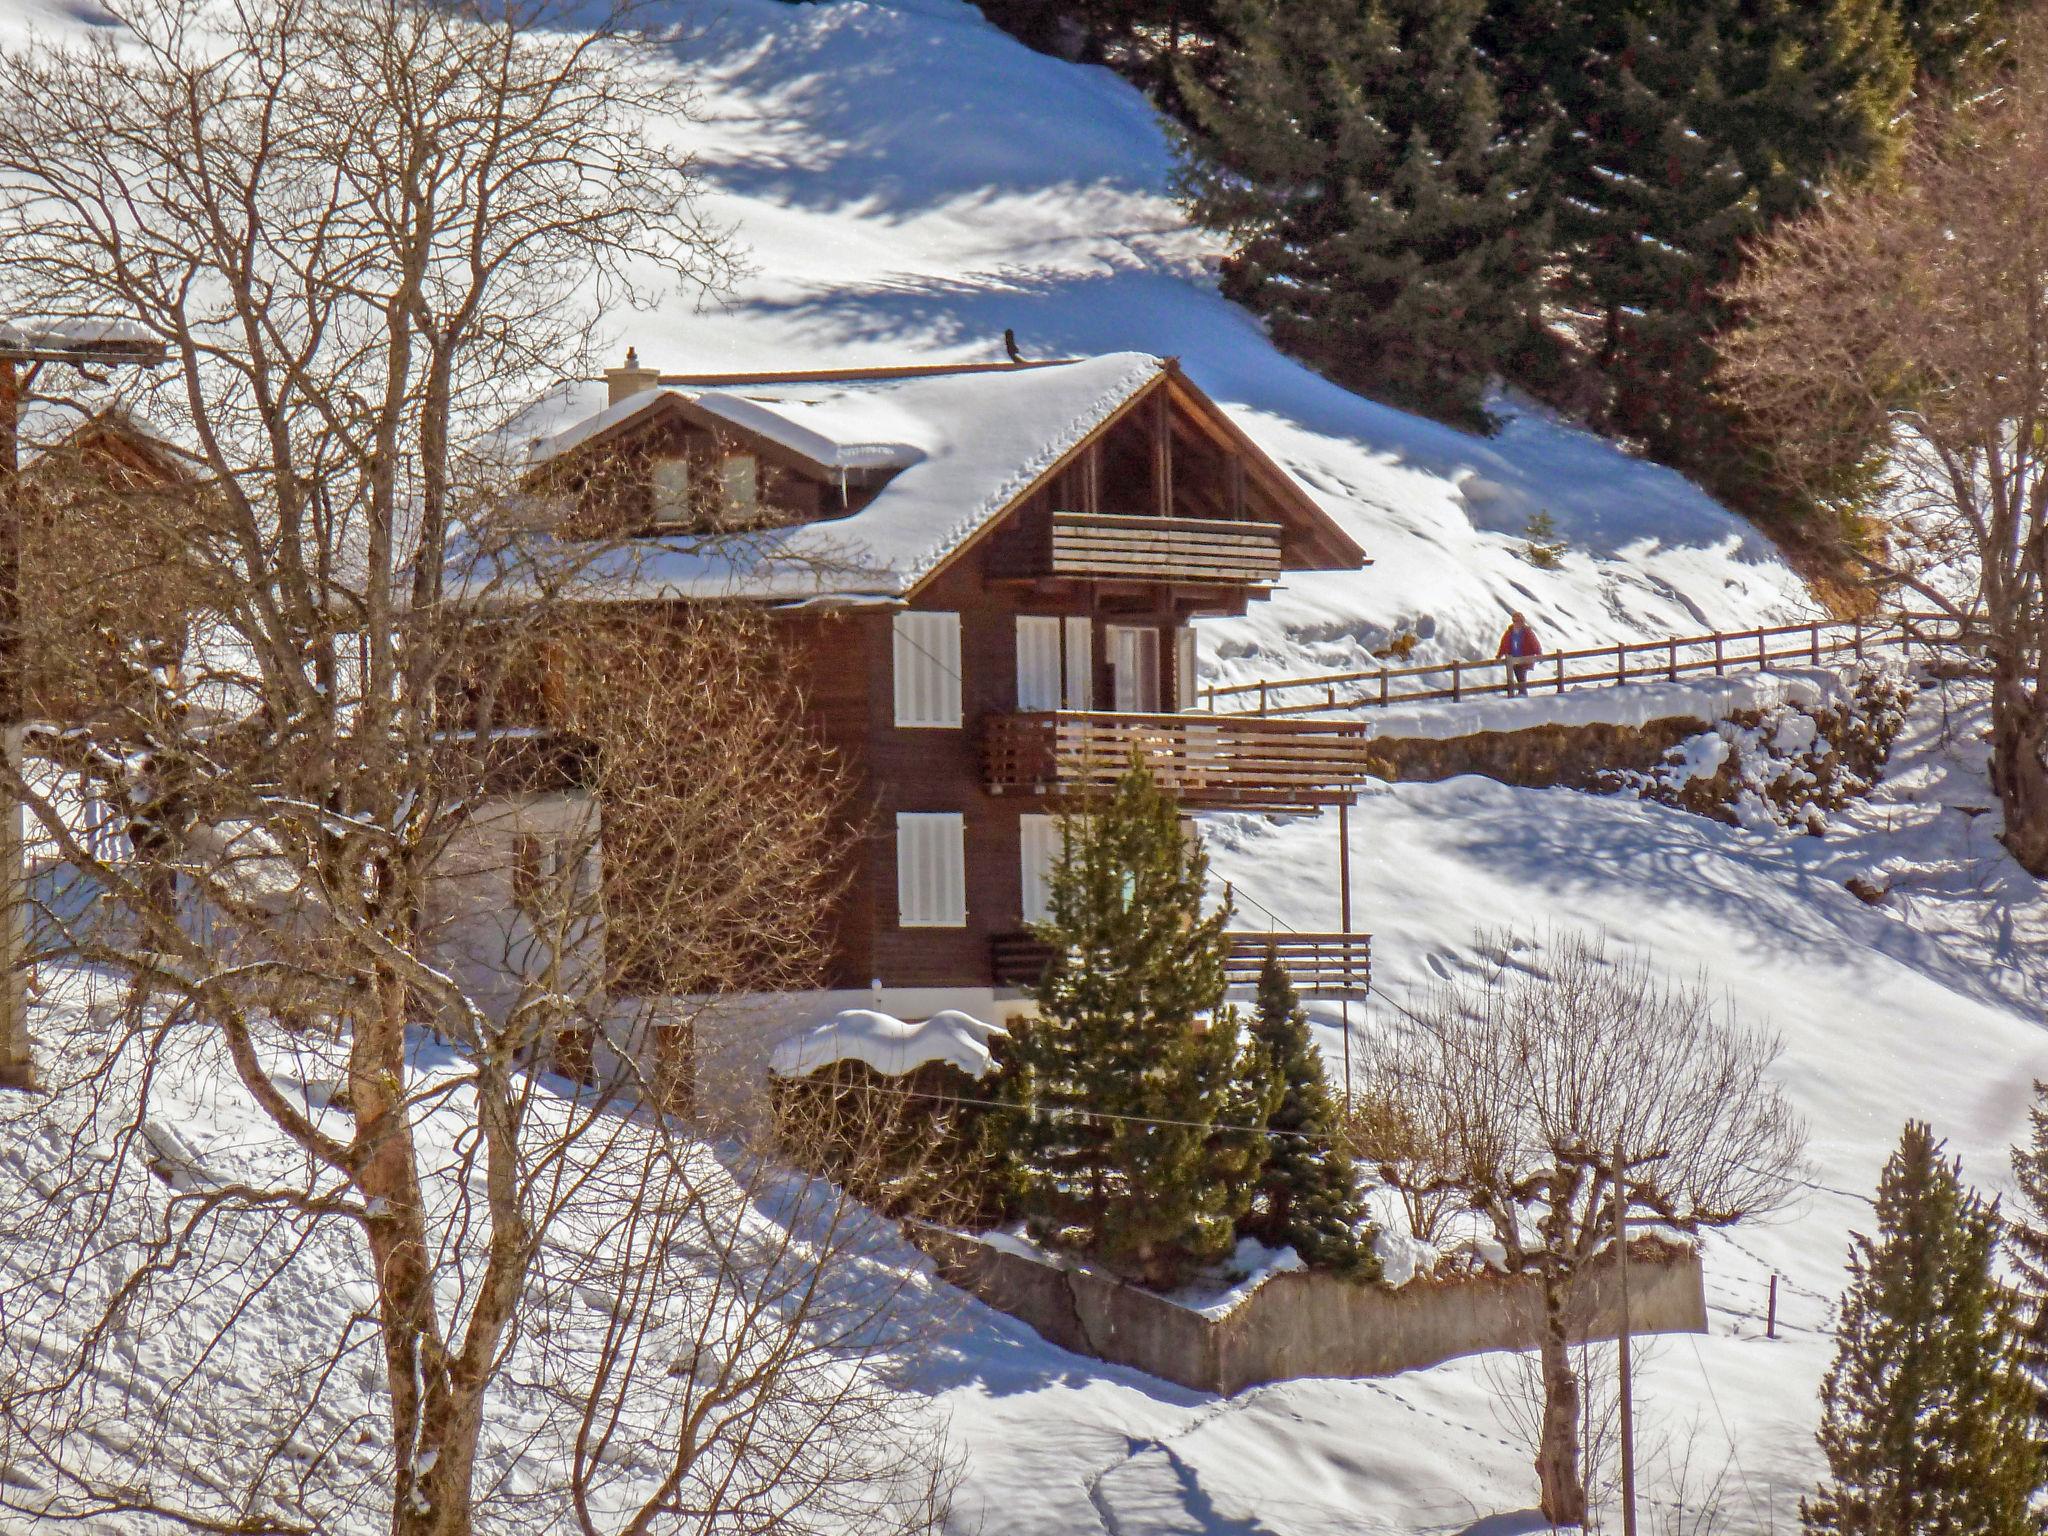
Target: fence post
[1457, 680]
[1262, 695]
[1720, 662]
[1560, 671]
[1671, 661]
[1816, 644]
[1763, 651]
[1383, 685]
[1859, 637]
[1620, 665]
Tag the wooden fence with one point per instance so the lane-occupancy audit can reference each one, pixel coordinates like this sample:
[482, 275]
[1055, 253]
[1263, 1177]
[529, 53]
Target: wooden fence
[1642, 661]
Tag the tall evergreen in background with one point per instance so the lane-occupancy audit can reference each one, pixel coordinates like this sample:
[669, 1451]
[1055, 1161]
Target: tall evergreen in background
[1954, 39]
[1382, 222]
[1925, 1416]
[1308, 1197]
[1138, 1136]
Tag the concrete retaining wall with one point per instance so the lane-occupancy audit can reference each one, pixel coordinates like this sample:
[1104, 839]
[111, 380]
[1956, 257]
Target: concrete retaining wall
[1307, 1324]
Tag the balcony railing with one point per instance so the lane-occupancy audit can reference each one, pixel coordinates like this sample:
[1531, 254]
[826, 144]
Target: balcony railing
[1207, 762]
[1322, 964]
[1106, 545]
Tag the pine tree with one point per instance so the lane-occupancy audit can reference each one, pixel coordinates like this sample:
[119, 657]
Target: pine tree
[1134, 1062]
[1951, 40]
[1925, 1416]
[1675, 131]
[1382, 222]
[1308, 1194]
[2027, 1247]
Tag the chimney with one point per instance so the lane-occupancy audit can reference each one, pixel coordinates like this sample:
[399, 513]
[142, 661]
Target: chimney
[629, 380]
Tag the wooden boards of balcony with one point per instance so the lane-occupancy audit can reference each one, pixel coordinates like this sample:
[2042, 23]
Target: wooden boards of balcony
[1207, 762]
[1326, 964]
[1110, 546]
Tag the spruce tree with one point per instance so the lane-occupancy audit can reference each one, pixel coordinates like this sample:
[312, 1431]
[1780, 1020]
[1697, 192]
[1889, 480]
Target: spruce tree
[1141, 1103]
[1308, 1194]
[2027, 1247]
[1925, 1417]
[1382, 222]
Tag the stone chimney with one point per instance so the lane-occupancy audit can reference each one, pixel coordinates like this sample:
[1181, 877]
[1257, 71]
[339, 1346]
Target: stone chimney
[629, 380]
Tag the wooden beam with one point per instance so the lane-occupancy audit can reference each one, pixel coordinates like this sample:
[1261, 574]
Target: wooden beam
[1162, 451]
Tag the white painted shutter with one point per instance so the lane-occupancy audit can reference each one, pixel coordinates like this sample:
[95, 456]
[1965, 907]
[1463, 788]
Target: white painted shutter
[1080, 663]
[1184, 667]
[1038, 663]
[927, 663]
[1039, 846]
[931, 869]
[1134, 661]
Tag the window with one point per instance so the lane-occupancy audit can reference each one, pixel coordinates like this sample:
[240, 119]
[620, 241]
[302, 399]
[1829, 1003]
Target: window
[1038, 663]
[931, 869]
[1039, 850]
[927, 666]
[1134, 668]
[1080, 663]
[739, 476]
[671, 490]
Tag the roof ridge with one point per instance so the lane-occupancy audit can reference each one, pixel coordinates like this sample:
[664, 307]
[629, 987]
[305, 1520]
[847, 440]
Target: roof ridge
[899, 371]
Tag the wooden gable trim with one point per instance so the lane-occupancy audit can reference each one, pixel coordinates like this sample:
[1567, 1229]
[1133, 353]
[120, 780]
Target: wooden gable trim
[1171, 386]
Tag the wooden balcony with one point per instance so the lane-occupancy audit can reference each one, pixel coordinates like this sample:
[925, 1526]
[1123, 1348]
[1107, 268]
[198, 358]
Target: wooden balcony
[1319, 964]
[1207, 762]
[1110, 546]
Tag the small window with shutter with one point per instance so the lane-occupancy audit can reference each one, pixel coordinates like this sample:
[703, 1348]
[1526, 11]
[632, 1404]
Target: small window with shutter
[931, 869]
[671, 475]
[740, 477]
[927, 670]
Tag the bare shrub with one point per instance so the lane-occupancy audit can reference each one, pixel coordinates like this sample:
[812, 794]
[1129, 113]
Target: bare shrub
[1534, 1089]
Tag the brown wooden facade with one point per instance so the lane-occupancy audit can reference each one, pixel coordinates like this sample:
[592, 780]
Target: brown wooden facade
[1164, 514]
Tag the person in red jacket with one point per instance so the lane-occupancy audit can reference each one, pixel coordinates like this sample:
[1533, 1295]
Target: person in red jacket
[1520, 641]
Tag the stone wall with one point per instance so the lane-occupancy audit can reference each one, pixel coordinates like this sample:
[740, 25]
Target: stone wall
[1309, 1324]
[1570, 756]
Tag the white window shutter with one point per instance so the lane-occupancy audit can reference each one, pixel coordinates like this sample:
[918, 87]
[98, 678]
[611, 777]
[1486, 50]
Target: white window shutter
[1038, 663]
[927, 669]
[931, 869]
[1080, 663]
[1184, 667]
[1039, 849]
[1134, 664]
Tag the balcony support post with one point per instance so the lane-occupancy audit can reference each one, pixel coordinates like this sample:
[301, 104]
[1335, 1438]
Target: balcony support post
[1344, 916]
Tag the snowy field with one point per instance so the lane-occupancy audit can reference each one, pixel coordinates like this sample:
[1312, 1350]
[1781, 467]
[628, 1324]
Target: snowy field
[909, 183]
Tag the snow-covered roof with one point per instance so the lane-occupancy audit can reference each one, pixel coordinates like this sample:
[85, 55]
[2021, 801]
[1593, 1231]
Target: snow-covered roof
[963, 444]
[889, 1045]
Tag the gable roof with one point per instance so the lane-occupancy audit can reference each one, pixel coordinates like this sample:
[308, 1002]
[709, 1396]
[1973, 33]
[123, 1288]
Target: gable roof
[959, 446]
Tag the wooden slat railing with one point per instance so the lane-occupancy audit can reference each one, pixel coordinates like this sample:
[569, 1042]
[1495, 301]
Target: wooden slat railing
[1325, 964]
[1720, 653]
[1116, 545]
[1208, 762]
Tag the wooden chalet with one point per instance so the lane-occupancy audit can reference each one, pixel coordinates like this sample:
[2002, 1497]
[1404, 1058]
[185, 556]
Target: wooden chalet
[987, 576]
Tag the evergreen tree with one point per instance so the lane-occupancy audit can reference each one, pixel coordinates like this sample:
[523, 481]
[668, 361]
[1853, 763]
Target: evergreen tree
[1952, 40]
[1138, 1139]
[1308, 1194]
[1925, 1416]
[1675, 132]
[1382, 222]
[2027, 1247]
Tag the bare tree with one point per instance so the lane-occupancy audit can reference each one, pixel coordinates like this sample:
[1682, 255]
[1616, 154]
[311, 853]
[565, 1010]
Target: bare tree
[1913, 311]
[1533, 1090]
[404, 822]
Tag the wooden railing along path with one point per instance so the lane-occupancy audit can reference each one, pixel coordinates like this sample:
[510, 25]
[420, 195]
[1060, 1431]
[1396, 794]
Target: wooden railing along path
[1721, 652]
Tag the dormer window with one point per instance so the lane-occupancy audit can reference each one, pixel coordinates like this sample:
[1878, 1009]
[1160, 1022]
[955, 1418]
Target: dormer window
[672, 492]
[740, 478]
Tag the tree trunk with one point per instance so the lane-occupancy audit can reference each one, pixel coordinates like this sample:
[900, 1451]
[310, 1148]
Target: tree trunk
[2019, 770]
[1557, 1456]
